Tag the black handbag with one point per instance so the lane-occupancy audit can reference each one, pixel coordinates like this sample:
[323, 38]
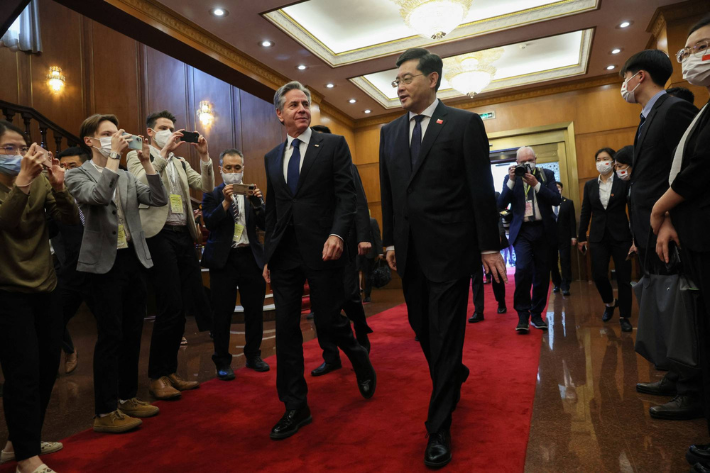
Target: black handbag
[684, 331]
[382, 275]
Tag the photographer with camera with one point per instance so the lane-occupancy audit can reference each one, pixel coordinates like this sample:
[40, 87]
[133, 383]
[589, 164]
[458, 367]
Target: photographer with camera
[235, 258]
[532, 191]
[171, 234]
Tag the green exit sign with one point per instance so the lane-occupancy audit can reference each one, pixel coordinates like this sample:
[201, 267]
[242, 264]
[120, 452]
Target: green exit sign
[487, 115]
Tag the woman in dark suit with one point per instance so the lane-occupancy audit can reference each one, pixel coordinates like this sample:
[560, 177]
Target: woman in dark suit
[604, 203]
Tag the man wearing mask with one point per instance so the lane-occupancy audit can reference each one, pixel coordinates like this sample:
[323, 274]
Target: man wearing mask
[664, 119]
[235, 258]
[171, 234]
[566, 239]
[113, 250]
[533, 232]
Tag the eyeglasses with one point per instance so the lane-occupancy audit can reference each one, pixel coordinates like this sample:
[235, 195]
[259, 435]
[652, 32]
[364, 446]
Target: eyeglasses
[406, 79]
[13, 150]
[700, 47]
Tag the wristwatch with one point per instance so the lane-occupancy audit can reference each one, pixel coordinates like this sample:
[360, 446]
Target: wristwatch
[114, 155]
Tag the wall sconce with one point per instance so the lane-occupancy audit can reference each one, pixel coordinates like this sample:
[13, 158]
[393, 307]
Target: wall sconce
[204, 113]
[55, 79]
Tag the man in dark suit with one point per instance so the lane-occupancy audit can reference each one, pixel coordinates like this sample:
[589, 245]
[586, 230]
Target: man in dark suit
[235, 258]
[310, 207]
[533, 232]
[566, 239]
[439, 213]
[357, 244]
[371, 257]
[664, 119]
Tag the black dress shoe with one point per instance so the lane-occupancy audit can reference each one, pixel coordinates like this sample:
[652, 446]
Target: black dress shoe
[502, 309]
[680, 408]
[225, 374]
[625, 325]
[325, 368]
[366, 376]
[700, 468]
[257, 364]
[556, 289]
[523, 327]
[290, 423]
[438, 450]
[609, 311]
[658, 388]
[476, 317]
[537, 322]
[698, 454]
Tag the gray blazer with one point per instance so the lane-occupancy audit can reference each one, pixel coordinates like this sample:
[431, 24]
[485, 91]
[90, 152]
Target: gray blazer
[93, 192]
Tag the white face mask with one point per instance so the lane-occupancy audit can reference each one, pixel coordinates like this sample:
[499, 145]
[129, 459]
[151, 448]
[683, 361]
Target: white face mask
[629, 95]
[696, 69]
[623, 174]
[232, 177]
[603, 167]
[161, 138]
[105, 145]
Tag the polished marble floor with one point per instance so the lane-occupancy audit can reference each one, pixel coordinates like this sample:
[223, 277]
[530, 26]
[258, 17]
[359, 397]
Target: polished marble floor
[587, 416]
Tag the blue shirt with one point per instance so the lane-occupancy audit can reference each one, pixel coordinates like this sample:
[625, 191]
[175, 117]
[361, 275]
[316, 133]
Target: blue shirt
[649, 106]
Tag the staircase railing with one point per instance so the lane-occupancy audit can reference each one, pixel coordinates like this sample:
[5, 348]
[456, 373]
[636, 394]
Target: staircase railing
[27, 114]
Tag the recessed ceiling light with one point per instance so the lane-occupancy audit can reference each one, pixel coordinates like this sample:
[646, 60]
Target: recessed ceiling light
[615, 51]
[302, 67]
[368, 111]
[219, 12]
[330, 85]
[266, 43]
[609, 68]
[625, 24]
[352, 100]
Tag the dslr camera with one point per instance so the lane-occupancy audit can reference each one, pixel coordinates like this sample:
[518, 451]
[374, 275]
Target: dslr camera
[522, 169]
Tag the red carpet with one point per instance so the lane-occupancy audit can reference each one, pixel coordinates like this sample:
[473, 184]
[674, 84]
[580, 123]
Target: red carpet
[225, 426]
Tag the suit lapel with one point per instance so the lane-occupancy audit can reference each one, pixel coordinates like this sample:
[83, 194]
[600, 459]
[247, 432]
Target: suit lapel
[123, 191]
[91, 171]
[436, 124]
[638, 143]
[401, 144]
[278, 168]
[615, 188]
[314, 146]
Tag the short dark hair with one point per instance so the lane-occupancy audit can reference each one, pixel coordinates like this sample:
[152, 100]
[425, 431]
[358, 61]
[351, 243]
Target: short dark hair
[681, 93]
[560, 184]
[705, 21]
[6, 126]
[91, 124]
[655, 62]
[153, 117]
[625, 155]
[73, 151]
[230, 151]
[428, 62]
[609, 151]
[321, 129]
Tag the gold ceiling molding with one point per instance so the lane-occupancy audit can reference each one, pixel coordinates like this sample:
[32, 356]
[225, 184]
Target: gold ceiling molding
[542, 13]
[679, 11]
[158, 16]
[503, 97]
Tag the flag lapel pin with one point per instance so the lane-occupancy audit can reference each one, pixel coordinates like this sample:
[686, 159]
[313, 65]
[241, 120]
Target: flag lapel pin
[439, 121]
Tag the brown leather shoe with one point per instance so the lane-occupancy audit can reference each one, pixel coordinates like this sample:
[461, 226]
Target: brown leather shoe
[180, 384]
[115, 423]
[136, 408]
[70, 362]
[162, 388]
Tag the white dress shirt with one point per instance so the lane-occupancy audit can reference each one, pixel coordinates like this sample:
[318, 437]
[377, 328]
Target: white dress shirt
[605, 189]
[427, 113]
[305, 138]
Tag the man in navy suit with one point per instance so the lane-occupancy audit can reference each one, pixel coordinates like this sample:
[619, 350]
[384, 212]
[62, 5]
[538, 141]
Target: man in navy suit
[235, 258]
[310, 207]
[533, 232]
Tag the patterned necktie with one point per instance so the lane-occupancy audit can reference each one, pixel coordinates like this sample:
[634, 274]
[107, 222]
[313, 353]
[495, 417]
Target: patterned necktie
[81, 217]
[294, 166]
[416, 143]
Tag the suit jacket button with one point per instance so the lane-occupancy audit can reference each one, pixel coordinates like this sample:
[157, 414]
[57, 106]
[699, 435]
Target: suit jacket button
[114, 212]
[113, 233]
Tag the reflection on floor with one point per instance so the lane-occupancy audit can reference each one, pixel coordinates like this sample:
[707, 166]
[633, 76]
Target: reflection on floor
[587, 416]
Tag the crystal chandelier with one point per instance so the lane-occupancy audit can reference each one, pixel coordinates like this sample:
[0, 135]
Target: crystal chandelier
[433, 18]
[471, 73]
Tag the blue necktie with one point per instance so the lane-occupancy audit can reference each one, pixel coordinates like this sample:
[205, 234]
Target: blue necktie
[416, 143]
[638, 133]
[294, 166]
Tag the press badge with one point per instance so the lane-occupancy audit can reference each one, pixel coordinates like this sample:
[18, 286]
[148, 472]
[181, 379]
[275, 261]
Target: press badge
[529, 209]
[122, 242]
[176, 206]
[238, 230]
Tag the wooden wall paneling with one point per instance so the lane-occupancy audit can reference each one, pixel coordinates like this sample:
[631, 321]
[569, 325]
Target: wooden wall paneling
[589, 144]
[165, 80]
[261, 132]
[370, 176]
[340, 128]
[367, 142]
[9, 64]
[236, 123]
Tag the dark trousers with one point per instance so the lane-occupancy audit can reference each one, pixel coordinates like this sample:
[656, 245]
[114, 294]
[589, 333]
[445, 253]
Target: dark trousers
[288, 275]
[368, 267]
[119, 299]
[532, 253]
[352, 308]
[175, 274]
[601, 252]
[30, 349]
[240, 271]
[564, 250]
[477, 289]
[71, 292]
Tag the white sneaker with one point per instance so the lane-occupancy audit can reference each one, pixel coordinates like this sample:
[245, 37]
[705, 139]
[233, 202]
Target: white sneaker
[183, 342]
[46, 449]
[40, 469]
